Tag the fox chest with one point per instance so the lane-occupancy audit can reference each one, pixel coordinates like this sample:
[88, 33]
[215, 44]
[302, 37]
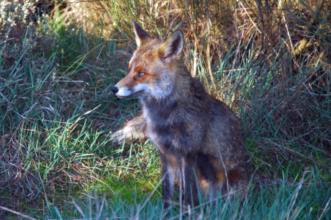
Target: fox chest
[170, 134]
[157, 118]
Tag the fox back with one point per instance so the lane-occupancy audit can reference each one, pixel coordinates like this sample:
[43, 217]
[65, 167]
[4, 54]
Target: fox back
[198, 137]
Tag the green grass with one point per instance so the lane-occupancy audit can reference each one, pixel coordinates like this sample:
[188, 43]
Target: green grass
[306, 199]
[57, 113]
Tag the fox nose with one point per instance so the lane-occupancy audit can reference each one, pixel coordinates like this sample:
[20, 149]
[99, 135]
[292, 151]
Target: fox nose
[114, 89]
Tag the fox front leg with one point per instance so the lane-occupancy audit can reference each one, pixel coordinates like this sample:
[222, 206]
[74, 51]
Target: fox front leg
[189, 181]
[169, 171]
[134, 130]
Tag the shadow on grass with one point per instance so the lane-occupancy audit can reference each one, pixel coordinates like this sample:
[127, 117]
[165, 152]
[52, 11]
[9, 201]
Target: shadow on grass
[57, 113]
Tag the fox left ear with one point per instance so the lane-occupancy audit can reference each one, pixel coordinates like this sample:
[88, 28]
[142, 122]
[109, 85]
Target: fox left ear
[174, 45]
[140, 34]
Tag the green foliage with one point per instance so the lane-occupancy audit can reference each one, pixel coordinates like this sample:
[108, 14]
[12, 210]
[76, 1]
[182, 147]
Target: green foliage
[307, 199]
[57, 111]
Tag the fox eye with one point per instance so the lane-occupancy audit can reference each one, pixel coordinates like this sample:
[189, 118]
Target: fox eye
[140, 74]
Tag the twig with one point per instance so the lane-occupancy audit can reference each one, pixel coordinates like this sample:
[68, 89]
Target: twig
[288, 33]
[250, 18]
[16, 213]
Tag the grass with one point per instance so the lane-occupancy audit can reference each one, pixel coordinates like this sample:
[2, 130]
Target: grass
[57, 111]
[306, 199]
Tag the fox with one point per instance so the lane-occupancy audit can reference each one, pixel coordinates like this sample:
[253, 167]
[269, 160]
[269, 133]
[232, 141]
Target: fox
[197, 136]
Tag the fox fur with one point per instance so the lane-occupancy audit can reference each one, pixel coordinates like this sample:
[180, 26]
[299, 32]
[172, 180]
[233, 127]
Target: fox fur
[198, 137]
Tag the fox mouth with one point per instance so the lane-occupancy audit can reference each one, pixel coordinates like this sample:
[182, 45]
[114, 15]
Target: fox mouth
[132, 95]
[125, 92]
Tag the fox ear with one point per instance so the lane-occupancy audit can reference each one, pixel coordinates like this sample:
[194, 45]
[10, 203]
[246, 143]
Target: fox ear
[140, 34]
[174, 45]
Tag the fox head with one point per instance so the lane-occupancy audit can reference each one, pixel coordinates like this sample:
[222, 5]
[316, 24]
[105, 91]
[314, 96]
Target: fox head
[151, 70]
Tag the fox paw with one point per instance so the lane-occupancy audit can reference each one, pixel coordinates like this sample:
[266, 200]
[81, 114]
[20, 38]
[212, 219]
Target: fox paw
[118, 137]
[128, 135]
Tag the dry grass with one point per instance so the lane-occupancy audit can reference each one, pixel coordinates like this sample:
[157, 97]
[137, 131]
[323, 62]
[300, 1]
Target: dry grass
[214, 27]
[269, 60]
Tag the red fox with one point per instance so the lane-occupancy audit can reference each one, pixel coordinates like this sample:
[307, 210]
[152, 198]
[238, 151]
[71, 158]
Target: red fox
[198, 137]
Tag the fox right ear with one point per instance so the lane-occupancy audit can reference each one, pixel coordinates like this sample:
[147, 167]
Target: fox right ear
[140, 34]
[174, 45]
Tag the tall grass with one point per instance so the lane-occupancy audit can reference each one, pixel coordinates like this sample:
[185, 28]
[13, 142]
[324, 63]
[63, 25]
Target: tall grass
[269, 62]
[306, 199]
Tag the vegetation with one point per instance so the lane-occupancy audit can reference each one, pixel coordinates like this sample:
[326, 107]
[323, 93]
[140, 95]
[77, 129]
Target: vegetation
[269, 60]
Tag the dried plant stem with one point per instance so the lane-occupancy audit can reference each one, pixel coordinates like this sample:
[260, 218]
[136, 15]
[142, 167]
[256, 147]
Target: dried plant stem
[16, 213]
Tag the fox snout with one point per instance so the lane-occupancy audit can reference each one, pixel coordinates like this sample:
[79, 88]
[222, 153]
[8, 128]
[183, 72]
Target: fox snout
[123, 90]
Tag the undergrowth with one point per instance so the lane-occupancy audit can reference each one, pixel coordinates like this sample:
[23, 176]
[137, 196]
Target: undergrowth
[306, 199]
[269, 62]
